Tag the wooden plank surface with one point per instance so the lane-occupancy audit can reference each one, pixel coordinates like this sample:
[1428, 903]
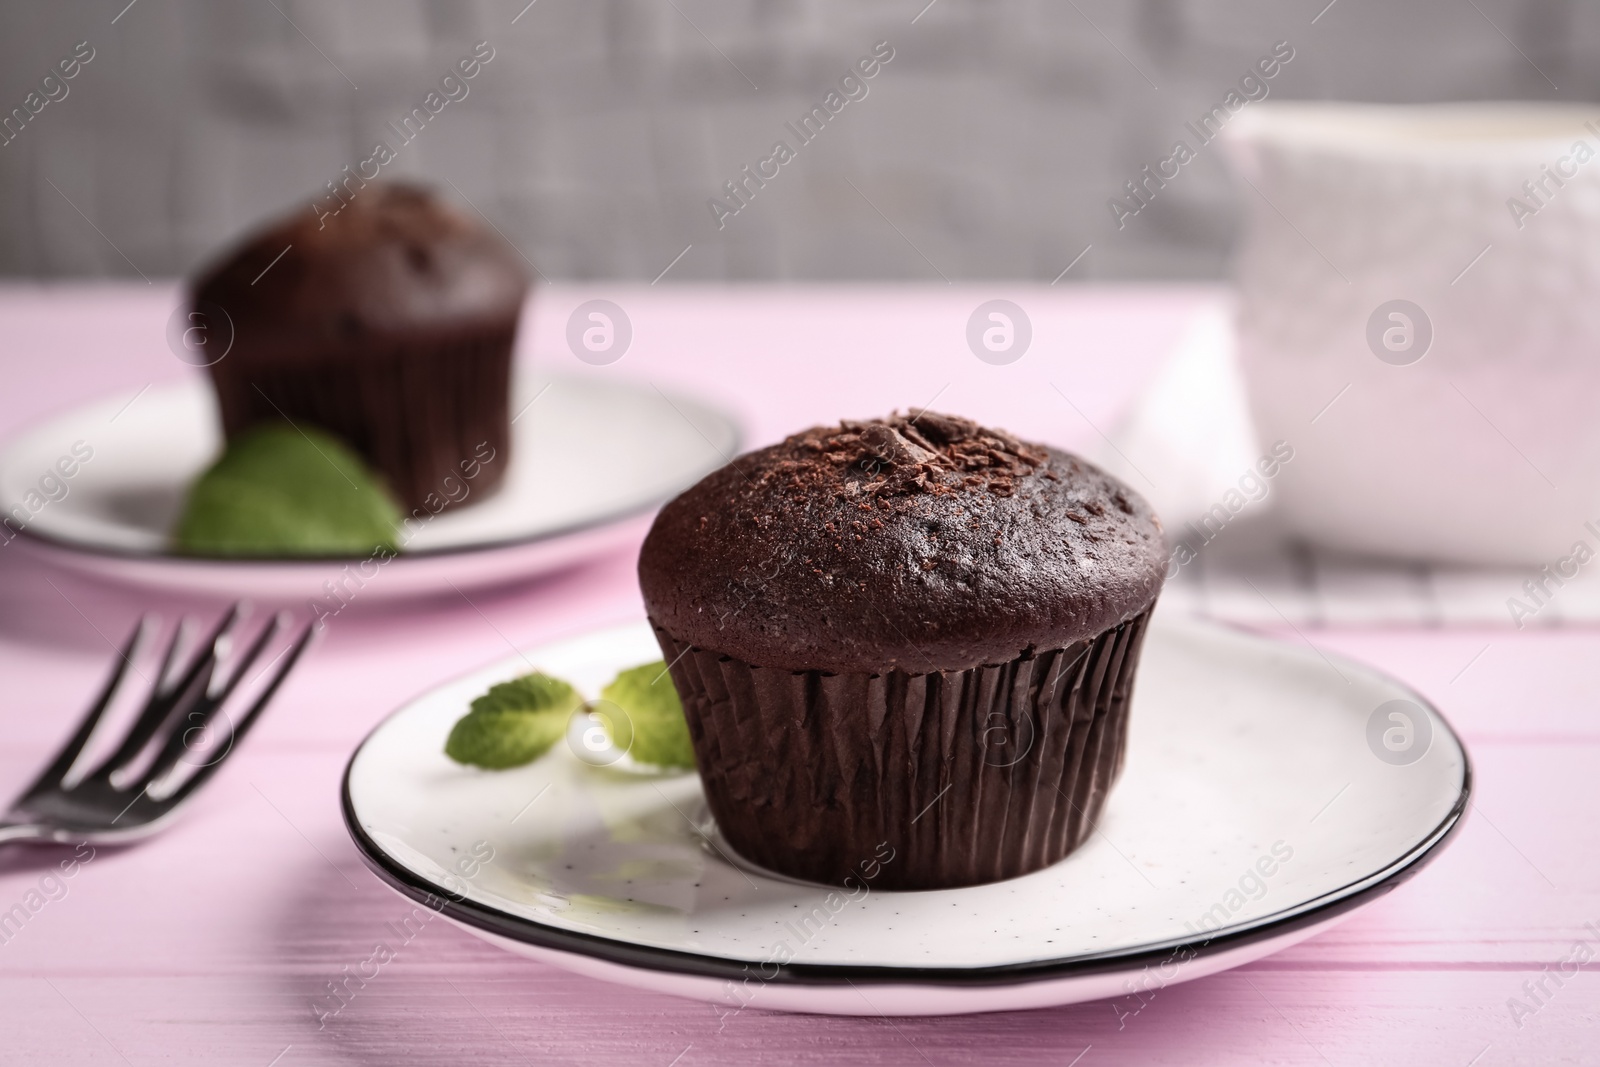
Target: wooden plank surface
[210, 943]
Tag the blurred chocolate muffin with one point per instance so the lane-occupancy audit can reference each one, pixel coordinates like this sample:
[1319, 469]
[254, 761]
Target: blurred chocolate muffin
[911, 633]
[389, 324]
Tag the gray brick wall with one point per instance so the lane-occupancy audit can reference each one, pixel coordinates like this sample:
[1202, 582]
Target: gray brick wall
[987, 148]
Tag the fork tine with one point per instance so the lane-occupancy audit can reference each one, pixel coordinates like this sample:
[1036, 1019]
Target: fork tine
[206, 705]
[301, 643]
[162, 701]
[69, 753]
[164, 672]
[206, 651]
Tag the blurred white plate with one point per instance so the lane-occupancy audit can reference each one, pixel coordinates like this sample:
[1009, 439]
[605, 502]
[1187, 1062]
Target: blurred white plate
[588, 456]
[1252, 813]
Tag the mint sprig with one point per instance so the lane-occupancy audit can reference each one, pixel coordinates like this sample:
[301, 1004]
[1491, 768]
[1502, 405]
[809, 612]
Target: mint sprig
[647, 697]
[514, 723]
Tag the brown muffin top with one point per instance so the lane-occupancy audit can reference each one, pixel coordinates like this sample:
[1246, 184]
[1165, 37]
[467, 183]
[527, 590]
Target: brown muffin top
[913, 544]
[394, 258]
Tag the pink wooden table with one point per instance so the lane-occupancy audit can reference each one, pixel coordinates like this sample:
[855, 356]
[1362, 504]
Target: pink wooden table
[209, 943]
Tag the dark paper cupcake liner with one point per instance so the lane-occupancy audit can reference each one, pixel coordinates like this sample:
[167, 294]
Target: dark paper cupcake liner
[965, 776]
[416, 410]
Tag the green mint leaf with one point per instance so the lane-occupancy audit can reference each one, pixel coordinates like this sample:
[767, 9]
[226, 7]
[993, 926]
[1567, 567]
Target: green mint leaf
[514, 723]
[284, 491]
[535, 692]
[660, 733]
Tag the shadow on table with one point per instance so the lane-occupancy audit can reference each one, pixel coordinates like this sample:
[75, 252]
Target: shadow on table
[28, 857]
[46, 605]
[372, 979]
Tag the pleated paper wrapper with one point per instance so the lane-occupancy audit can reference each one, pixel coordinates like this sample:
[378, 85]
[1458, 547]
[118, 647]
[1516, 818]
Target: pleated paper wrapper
[414, 408]
[964, 776]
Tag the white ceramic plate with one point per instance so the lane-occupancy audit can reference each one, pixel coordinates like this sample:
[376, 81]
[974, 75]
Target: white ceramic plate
[587, 456]
[1253, 812]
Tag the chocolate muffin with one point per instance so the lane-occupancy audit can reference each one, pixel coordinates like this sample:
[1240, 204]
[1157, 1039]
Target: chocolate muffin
[389, 324]
[910, 636]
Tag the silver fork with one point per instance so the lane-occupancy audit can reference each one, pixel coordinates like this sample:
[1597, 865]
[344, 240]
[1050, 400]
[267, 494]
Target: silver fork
[129, 794]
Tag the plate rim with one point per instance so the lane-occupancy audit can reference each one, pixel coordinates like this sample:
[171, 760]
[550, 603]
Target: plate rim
[1330, 905]
[169, 558]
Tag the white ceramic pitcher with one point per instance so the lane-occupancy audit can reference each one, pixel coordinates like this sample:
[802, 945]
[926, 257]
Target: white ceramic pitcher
[1419, 317]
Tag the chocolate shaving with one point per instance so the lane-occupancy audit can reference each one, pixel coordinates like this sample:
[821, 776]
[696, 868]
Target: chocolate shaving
[904, 456]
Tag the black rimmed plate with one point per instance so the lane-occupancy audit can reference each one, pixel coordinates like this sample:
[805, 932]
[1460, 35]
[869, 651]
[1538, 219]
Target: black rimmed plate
[1268, 793]
[100, 487]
